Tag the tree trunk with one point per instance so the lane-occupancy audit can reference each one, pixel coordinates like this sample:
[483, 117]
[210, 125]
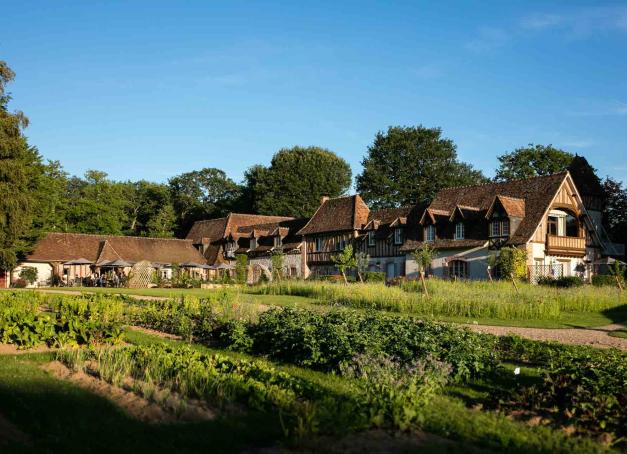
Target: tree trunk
[489, 274]
[620, 286]
[424, 284]
[514, 281]
[361, 279]
[344, 276]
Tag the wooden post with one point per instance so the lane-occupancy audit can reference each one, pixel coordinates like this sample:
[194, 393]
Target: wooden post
[424, 284]
[514, 281]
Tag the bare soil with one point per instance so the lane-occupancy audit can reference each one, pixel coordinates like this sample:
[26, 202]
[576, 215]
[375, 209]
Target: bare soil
[170, 409]
[595, 337]
[379, 441]
[12, 349]
[154, 332]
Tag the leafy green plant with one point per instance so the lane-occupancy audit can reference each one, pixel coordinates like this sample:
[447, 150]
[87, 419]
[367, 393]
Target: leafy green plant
[241, 268]
[345, 261]
[29, 274]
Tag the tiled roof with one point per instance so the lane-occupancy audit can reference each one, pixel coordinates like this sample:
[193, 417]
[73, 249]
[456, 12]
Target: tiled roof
[338, 214]
[537, 194]
[212, 231]
[64, 247]
[513, 206]
[388, 215]
[411, 245]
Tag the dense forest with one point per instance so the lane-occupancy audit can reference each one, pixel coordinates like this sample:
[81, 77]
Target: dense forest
[404, 165]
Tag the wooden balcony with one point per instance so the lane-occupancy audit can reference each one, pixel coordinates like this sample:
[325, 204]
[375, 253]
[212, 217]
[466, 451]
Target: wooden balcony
[571, 246]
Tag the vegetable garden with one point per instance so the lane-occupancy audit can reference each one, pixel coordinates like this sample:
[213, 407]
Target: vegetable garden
[333, 372]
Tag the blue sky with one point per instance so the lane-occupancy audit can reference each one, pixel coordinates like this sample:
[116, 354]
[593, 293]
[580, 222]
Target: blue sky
[150, 89]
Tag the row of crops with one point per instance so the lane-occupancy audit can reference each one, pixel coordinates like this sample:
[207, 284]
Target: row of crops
[383, 370]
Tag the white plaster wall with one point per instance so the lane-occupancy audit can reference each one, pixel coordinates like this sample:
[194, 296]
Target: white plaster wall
[290, 261]
[380, 264]
[476, 258]
[44, 273]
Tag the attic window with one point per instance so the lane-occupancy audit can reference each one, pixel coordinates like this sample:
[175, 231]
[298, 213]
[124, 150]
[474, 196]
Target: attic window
[459, 231]
[499, 227]
[429, 233]
[398, 236]
[371, 240]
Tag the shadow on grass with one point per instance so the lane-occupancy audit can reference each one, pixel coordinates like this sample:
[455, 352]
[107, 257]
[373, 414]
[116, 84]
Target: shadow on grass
[615, 315]
[60, 417]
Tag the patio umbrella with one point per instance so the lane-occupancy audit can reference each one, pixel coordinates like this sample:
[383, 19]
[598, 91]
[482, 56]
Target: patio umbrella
[80, 261]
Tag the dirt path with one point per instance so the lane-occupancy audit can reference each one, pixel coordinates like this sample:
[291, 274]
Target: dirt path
[12, 349]
[171, 408]
[595, 337]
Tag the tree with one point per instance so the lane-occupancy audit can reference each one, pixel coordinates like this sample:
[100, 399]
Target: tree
[278, 263]
[296, 180]
[615, 214]
[97, 205]
[531, 161]
[408, 165]
[149, 209]
[241, 268]
[202, 194]
[424, 256]
[52, 199]
[513, 263]
[345, 261]
[362, 262]
[20, 172]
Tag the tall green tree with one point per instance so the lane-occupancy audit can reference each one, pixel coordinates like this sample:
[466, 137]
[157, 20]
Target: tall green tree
[97, 204]
[407, 165]
[20, 172]
[615, 214]
[52, 200]
[149, 209]
[202, 194]
[296, 180]
[531, 161]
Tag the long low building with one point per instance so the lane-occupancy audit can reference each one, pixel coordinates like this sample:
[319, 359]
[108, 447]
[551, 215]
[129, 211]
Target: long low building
[64, 257]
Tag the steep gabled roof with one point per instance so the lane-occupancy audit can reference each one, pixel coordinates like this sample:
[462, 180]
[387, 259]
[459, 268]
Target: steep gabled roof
[338, 214]
[63, 247]
[513, 206]
[537, 194]
[388, 215]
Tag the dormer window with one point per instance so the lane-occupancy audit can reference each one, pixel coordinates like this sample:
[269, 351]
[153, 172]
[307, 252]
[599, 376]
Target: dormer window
[459, 231]
[398, 236]
[278, 242]
[371, 239]
[499, 227]
[429, 233]
[253, 243]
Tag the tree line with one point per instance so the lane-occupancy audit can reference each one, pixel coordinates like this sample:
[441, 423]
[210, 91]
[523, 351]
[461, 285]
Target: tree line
[404, 165]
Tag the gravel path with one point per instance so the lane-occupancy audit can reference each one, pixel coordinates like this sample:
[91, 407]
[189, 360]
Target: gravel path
[595, 337]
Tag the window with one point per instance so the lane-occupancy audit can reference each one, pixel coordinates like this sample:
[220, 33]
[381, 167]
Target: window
[253, 243]
[340, 244]
[459, 231]
[277, 241]
[430, 233]
[458, 268]
[371, 241]
[318, 244]
[398, 236]
[293, 271]
[499, 227]
[572, 226]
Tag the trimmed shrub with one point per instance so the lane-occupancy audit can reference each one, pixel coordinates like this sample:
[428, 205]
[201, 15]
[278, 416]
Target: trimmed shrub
[374, 276]
[561, 282]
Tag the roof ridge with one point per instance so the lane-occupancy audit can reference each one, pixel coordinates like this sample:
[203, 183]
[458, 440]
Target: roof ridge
[108, 235]
[495, 183]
